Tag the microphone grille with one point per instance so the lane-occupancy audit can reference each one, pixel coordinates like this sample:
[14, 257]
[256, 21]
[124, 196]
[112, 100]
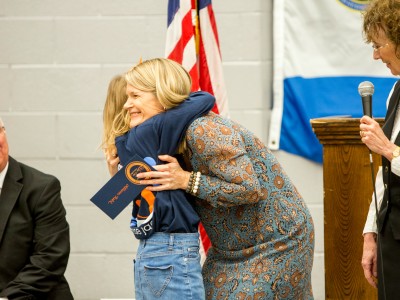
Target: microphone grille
[366, 88]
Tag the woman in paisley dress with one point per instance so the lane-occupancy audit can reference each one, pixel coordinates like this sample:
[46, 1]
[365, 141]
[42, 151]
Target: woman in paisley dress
[261, 231]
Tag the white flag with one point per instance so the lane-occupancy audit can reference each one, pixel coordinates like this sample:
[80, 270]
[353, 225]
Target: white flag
[320, 58]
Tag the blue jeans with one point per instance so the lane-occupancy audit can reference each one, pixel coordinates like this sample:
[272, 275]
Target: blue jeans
[167, 266]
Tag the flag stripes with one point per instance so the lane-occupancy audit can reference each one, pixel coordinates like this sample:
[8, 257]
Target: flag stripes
[192, 40]
[189, 20]
[181, 44]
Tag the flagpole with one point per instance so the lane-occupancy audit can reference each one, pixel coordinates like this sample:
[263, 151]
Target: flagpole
[197, 34]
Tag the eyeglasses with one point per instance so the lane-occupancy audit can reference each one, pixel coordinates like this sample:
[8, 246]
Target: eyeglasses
[377, 48]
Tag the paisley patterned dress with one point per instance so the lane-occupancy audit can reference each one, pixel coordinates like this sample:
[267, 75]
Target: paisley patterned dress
[261, 231]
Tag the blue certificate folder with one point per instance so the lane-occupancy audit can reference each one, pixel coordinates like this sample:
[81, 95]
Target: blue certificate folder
[122, 188]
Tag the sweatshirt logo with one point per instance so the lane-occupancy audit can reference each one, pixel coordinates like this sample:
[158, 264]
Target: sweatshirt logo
[134, 168]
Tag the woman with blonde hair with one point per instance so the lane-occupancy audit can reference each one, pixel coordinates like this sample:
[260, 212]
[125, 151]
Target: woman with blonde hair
[115, 119]
[261, 231]
[161, 107]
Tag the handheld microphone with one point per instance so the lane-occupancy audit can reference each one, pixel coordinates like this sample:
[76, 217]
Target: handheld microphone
[366, 90]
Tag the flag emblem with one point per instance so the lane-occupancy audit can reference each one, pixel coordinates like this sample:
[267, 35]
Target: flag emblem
[134, 168]
[355, 4]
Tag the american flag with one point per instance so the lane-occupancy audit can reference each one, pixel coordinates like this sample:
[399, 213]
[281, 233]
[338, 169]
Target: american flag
[192, 40]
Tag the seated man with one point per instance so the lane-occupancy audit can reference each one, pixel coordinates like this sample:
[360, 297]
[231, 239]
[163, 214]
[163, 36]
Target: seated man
[34, 233]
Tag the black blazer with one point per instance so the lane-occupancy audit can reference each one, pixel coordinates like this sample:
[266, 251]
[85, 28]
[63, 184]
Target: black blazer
[390, 208]
[34, 236]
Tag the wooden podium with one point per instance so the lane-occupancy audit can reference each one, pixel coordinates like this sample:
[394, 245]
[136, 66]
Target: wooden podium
[347, 179]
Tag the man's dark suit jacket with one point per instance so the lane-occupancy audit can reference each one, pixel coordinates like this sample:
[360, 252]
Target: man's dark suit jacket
[34, 236]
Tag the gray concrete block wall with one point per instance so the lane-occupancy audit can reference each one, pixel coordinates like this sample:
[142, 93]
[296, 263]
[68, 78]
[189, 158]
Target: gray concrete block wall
[56, 59]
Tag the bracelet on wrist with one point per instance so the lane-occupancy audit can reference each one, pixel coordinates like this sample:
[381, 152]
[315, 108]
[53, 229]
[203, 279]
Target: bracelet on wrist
[190, 183]
[196, 183]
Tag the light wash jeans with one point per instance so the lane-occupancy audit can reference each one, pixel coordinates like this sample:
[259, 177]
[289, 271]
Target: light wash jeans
[167, 266]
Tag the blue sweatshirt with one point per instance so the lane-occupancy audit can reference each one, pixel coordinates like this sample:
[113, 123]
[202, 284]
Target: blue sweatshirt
[162, 134]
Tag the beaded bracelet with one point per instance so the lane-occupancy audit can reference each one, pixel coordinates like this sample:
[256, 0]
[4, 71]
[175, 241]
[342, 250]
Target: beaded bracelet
[195, 185]
[190, 183]
[193, 182]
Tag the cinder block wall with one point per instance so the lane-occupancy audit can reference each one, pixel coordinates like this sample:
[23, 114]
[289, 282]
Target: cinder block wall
[56, 59]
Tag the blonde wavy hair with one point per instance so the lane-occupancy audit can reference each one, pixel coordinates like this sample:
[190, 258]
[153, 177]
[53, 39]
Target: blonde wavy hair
[115, 118]
[382, 15]
[166, 79]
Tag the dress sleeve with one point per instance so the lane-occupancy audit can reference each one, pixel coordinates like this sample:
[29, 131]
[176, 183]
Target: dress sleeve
[172, 128]
[370, 224]
[395, 166]
[228, 175]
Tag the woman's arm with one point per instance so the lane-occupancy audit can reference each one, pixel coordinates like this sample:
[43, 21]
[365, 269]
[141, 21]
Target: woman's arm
[370, 223]
[228, 177]
[369, 260]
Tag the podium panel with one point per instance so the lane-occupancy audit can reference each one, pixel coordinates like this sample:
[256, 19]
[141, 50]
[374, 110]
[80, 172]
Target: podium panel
[348, 187]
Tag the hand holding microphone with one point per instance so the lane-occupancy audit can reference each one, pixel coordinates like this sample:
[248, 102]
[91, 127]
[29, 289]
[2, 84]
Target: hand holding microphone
[370, 131]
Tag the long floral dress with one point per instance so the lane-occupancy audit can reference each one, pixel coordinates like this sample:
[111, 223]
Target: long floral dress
[261, 231]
